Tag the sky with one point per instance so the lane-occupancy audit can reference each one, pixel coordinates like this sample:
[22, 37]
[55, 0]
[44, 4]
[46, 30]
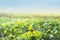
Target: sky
[30, 6]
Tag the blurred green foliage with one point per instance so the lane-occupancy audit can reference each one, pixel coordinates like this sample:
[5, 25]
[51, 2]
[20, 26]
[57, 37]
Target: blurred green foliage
[29, 29]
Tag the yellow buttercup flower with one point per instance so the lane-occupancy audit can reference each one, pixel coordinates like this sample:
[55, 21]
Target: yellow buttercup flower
[24, 21]
[34, 32]
[5, 31]
[29, 33]
[37, 33]
[22, 24]
[3, 24]
[18, 22]
[30, 27]
[10, 35]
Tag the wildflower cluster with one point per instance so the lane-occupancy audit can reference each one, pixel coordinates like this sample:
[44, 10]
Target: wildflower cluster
[30, 29]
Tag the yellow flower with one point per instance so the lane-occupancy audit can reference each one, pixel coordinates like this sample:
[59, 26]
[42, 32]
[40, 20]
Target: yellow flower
[22, 24]
[30, 27]
[5, 31]
[10, 35]
[3, 25]
[34, 32]
[37, 33]
[48, 30]
[24, 21]
[18, 22]
[29, 33]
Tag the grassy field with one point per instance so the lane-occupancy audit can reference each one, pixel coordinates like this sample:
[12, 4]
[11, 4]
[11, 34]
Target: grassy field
[29, 28]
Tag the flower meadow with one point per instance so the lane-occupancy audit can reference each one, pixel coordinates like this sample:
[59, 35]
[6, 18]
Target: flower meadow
[29, 29]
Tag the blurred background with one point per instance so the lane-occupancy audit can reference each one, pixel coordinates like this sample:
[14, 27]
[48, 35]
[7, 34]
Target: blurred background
[30, 7]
